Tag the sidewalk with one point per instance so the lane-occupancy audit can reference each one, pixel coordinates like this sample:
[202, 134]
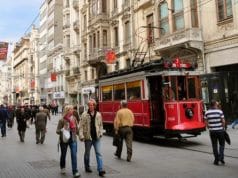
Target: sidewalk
[29, 160]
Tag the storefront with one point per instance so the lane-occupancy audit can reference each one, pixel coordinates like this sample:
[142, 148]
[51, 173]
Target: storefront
[223, 87]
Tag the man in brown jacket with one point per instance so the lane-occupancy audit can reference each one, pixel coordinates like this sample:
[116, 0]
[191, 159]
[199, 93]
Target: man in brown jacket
[123, 123]
[40, 124]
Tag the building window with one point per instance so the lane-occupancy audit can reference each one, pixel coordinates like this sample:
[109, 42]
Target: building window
[86, 75]
[85, 51]
[116, 37]
[163, 18]
[128, 63]
[90, 42]
[114, 4]
[92, 71]
[127, 32]
[194, 13]
[150, 30]
[178, 15]
[117, 65]
[104, 6]
[84, 22]
[104, 37]
[68, 41]
[94, 40]
[224, 9]
[98, 33]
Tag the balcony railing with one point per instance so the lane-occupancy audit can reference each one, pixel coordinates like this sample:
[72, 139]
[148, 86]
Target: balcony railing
[191, 35]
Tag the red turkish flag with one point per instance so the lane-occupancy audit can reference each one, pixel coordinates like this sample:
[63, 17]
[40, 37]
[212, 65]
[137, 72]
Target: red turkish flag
[3, 50]
[53, 76]
[110, 56]
[33, 84]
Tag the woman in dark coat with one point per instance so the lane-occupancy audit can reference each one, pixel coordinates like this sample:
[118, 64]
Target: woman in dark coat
[21, 118]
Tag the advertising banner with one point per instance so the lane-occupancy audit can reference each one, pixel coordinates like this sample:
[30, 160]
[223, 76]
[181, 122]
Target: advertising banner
[3, 50]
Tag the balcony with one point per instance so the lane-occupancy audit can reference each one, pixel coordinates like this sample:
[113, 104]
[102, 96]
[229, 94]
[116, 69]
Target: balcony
[99, 18]
[76, 25]
[76, 70]
[76, 4]
[96, 56]
[189, 38]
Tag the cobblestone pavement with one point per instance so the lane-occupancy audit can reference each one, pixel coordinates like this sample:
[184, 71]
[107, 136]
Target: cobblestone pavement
[158, 159]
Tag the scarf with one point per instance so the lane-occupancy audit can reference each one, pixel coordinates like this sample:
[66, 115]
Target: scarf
[72, 124]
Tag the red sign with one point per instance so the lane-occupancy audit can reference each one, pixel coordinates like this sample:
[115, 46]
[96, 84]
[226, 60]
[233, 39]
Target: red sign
[53, 76]
[3, 50]
[32, 84]
[110, 56]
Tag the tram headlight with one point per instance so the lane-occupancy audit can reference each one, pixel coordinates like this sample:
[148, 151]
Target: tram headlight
[189, 113]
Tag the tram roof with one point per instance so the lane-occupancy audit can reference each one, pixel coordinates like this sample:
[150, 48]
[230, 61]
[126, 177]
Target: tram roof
[149, 69]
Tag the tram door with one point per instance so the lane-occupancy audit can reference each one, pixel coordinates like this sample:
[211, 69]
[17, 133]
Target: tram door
[156, 100]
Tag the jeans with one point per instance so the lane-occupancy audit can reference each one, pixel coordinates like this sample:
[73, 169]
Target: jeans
[215, 138]
[97, 147]
[73, 150]
[234, 123]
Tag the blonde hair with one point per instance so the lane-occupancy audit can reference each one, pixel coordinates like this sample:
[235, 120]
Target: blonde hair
[67, 108]
[92, 101]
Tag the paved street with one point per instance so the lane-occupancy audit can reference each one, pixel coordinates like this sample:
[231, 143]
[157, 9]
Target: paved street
[157, 159]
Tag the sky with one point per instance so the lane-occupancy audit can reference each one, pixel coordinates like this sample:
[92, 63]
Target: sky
[15, 18]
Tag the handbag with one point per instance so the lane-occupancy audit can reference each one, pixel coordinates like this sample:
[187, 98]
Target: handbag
[116, 140]
[227, 137]
[66, 135]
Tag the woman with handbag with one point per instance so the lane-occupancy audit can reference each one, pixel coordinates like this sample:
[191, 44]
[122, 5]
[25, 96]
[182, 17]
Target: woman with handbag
[67, 130]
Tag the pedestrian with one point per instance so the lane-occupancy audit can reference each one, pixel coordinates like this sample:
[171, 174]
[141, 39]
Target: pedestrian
[215, 122]
[91, 131]
[40, 125]
[11, 112]
[70, 124]
[21, 118]
[234, 123]
[4, 119]
[123, 124]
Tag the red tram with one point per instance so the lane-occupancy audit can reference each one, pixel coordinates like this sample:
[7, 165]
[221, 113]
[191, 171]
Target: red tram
[164, 97]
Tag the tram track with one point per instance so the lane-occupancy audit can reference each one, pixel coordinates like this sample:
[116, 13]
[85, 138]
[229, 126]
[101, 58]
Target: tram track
[188, 145]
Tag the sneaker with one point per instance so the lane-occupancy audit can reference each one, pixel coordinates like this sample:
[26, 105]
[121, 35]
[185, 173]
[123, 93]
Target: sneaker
[63, 171]
[102, 173]
[77, 175]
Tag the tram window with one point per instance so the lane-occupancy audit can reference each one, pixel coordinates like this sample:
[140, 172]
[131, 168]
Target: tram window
[119, 91]
[133, 90]
[181, 88]
[191, 88]
[107, 93]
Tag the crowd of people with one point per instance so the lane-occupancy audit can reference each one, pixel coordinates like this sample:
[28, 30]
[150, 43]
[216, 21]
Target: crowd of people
[87, 126]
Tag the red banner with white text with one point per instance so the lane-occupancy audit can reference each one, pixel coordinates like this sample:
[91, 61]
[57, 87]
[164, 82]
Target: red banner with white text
[3, 50]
